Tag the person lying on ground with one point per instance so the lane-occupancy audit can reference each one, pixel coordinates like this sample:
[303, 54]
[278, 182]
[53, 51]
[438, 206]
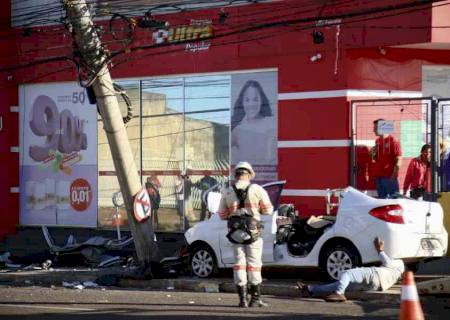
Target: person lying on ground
[359, 279]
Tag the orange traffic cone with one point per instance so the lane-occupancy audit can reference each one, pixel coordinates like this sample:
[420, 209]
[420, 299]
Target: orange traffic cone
[410, 308]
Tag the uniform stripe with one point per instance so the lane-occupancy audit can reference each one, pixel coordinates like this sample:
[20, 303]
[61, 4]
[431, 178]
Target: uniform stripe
[238, 267]
[253, 269]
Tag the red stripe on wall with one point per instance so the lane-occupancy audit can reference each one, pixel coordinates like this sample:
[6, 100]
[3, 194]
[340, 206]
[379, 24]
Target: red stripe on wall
[312, 119]
[314, 168]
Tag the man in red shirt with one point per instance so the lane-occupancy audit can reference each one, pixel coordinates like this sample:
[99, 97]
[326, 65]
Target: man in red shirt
[418, 175]
[386, 154]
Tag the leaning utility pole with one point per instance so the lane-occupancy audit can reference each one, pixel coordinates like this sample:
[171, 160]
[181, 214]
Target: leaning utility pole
[93, 54]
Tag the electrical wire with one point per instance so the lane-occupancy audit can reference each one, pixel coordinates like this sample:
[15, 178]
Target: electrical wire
[140, 48]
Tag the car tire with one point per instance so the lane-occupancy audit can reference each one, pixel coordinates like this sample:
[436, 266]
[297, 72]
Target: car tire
[203, 262]
[337, 259]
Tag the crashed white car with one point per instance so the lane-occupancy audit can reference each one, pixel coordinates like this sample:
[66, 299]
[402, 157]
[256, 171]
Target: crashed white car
[412, 230]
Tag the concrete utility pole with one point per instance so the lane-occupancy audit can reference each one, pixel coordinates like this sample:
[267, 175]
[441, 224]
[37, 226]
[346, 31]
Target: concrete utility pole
[92, 53]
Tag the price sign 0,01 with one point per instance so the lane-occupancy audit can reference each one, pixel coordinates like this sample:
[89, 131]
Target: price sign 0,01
[80, 194]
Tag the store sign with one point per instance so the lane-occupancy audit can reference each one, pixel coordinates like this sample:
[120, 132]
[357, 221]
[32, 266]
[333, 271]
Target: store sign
[385, 127]
[200, 30]
[58, 180]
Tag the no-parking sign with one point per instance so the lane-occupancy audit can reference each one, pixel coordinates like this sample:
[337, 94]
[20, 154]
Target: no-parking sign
[142, 206]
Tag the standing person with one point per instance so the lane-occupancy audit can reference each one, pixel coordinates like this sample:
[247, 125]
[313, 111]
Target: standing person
[246, 202]
[188, 208]
[418, 176]
[359, 279]
[183, 187]
[386, 155]
[253, 127]
[444, 169]
[204, 184]
[152, 185]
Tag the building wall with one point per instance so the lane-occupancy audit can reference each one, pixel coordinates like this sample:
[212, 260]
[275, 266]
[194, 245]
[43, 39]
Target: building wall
[9, 133]
[314, 113]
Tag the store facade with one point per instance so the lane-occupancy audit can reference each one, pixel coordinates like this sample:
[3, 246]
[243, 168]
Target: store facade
[191, 85]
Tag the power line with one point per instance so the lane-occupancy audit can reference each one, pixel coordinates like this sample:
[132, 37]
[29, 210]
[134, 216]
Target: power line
[250, 29]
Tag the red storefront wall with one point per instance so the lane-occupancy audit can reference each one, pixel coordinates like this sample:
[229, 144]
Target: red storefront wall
[9, 133]
[349, 55]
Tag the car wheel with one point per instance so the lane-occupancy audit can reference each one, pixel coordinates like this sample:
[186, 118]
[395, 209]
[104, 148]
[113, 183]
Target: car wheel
[203, 262]
[338, 259]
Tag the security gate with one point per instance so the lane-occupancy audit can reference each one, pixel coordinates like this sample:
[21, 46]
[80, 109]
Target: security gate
[444, 138]
[416, 121]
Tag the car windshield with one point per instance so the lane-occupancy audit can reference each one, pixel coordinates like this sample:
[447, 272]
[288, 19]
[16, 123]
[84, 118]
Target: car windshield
[274, 191]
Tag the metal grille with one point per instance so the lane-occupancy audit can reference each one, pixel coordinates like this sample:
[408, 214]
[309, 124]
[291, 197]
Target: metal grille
[411, 120]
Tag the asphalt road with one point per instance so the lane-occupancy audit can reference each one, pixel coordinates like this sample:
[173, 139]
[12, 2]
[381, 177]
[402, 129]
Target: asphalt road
[34, 303]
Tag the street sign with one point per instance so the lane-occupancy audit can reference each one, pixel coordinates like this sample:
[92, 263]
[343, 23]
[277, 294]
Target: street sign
[142, 207]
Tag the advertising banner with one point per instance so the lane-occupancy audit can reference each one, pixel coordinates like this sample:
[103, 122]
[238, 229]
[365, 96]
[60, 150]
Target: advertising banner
[58, 156]
[254, 118]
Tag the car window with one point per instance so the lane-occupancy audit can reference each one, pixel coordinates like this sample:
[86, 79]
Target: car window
[274, 190]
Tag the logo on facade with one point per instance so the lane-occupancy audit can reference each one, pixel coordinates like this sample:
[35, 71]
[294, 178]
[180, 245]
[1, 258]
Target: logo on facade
[200, 30]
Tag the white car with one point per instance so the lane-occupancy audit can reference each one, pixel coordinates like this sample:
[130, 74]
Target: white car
[412, 230]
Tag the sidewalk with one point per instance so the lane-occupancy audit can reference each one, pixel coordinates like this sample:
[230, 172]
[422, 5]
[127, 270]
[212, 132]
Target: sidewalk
[276, 287]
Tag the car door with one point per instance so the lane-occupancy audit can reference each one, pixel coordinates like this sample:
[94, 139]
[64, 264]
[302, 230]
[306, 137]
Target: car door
[269, 232]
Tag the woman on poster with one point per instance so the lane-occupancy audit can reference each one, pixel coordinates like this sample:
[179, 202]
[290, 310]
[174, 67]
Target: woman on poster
[253, 136]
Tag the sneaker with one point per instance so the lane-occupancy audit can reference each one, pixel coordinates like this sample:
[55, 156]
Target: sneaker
[335, 297]
[304, 291]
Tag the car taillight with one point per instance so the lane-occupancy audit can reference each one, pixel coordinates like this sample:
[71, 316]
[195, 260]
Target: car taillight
[391, 213]
[184, 251]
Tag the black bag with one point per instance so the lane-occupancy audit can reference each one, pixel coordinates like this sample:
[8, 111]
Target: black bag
[242, 227]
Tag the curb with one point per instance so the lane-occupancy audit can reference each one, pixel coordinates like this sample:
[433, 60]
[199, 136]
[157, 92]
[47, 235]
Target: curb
[286, 289]
[55, 276]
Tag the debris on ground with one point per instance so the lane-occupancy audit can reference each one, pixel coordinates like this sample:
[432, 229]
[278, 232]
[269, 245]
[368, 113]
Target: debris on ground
[4, 257]
[108, 280]
[95, 252]
[80, 285]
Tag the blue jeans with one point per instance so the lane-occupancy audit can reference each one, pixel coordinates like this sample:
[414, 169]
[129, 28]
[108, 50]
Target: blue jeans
[386, 187]
[357, 279]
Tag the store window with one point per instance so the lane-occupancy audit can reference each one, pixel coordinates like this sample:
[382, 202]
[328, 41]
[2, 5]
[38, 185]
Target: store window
[180, 140]
[184, 143]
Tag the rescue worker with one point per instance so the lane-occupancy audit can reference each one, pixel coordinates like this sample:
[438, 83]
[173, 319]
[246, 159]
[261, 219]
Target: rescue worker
[246, 201]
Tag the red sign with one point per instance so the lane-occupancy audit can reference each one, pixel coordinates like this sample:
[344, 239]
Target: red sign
[80, 194]
[142, 207]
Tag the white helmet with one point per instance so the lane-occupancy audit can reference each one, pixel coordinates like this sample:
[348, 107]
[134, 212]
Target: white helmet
[245, 165]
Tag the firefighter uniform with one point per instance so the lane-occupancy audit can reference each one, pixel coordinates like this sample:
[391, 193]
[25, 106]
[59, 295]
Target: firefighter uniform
[248, 257]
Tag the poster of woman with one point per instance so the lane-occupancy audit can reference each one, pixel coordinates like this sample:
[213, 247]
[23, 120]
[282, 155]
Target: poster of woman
[254, 122]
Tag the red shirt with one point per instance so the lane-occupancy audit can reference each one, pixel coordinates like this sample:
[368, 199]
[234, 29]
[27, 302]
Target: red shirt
[388, 149]
[418, 175]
